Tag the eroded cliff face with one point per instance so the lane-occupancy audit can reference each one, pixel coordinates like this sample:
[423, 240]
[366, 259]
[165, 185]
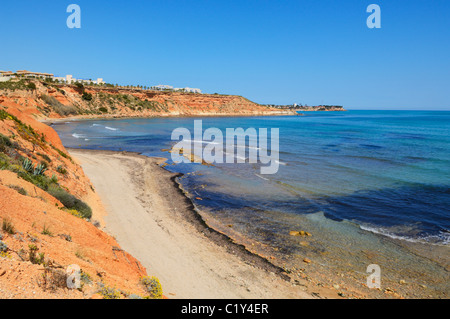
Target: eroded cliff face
[45, 198]
[50, 101]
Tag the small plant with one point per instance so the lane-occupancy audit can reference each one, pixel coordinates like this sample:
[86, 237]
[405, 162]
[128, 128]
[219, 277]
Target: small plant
[19, 189]
[71, 202]
[5, 254]
[103, 110]
[40, 169]
[34, 259]
[54, 179]
[27, 165]
[46, 231]
[66, 237]
[74, 212]
[85, 278]
[3, 247]
[80, 254]
[109, 293]
[60, 169]
[31, 86]
[79, 85]
[5, 142]
[153, 287]
[53, 279]
[86, 96]
[45, 157]
[96, 223]
[8, 226]
[62, 153]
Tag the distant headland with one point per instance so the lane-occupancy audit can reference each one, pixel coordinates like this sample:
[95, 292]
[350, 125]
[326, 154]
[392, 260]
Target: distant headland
[60, 97]
[300, 107]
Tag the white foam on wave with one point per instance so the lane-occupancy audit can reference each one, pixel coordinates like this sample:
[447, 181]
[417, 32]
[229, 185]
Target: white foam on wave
[443, 239]
[95, 124]
[78, 135]
[202, 142]
[266, 179]
[111, 128]
[236, 156]
[249, 147]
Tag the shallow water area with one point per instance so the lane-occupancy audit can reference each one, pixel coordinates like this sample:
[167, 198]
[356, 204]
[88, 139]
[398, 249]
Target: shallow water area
[371, 187]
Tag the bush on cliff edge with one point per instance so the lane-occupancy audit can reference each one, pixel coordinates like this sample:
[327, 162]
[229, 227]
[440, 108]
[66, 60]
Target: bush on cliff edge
[69, 201]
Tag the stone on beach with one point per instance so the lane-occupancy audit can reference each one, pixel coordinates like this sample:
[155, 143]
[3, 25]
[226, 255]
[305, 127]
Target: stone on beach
[299, 233]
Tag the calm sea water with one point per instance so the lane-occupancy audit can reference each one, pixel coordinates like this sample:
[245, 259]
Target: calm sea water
[386, 171]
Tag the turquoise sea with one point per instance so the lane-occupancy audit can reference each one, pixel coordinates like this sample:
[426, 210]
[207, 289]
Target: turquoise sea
[386, 171]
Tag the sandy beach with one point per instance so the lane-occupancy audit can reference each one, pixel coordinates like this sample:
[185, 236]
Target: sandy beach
[151, 219]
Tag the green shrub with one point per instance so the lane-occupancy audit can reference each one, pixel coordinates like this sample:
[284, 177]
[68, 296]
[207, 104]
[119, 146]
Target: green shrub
[62, 153]
[71, 202]
[27, 165]
[3, 247]
[153, 287]
[5, 141]
[8, 227]
[45, 157]
[39, 169]
[3, 114]
[103, 110]
[87, 96]
[109, 293]
[34, 259]
[41, 181]
[19, 189]
[79, 85]
[46, 231]
[60, 169]
[13, 85]
[4, 161]
[54, 179]
[26, 131]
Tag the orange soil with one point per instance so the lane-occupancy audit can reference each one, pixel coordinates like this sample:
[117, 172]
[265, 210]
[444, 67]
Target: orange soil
[97, 253]
[174, 103]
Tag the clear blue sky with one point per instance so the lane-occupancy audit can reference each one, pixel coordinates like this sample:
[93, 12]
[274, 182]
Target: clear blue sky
[304, 51]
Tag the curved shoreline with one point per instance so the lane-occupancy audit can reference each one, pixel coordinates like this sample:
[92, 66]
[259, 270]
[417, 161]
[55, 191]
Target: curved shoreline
[195, 218]
[208, 263]
[222, 239]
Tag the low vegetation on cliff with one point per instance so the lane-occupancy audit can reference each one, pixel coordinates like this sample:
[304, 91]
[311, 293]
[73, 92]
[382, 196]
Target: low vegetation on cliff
[53, 100]
[46, 212]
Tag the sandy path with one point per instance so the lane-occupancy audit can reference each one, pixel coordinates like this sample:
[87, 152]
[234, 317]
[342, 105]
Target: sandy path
[146, 214]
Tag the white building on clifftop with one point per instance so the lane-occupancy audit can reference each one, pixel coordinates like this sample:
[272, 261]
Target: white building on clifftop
[7, 75]
[69, 80]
